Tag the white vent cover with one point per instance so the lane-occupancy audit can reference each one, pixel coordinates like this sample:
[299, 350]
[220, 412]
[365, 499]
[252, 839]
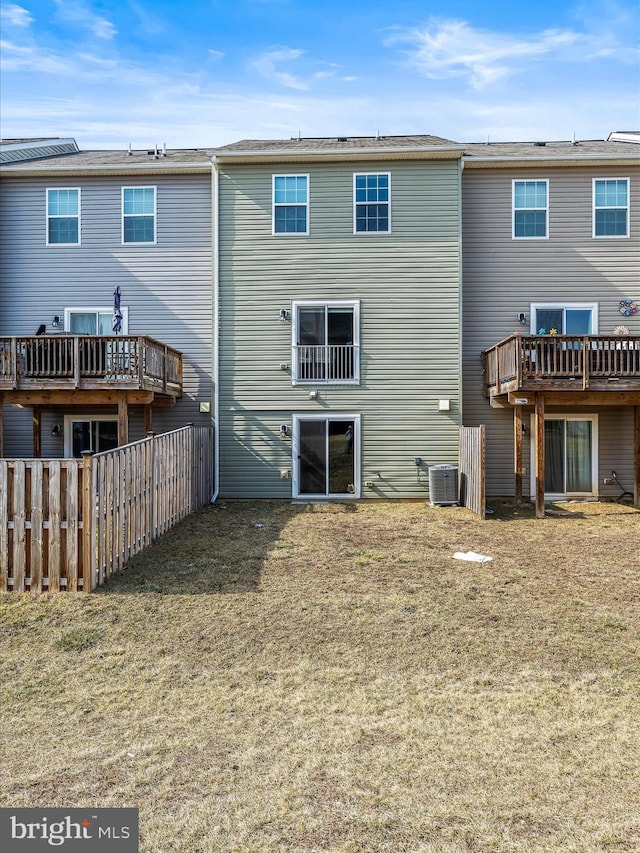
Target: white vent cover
[443, 484]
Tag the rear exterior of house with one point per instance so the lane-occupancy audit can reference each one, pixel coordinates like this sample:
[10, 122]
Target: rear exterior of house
[76, 225]
[551, 250]
[339, 301]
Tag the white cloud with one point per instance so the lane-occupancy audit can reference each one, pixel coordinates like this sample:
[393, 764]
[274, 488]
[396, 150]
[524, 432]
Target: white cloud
[455, 49]
[15, 16]
[268, 66]
[74, 12]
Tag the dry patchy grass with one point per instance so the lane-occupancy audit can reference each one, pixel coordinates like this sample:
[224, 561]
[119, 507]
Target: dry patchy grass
[271, 677]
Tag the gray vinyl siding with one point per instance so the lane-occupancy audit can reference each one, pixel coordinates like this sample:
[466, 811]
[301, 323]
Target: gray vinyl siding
[503, 277]
[166, 286]
[407, 283]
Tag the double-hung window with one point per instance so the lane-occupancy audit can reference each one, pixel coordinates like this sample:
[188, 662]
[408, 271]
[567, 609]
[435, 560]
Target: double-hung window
[290, 204]
[530, 209]
[611, 207]
[326, 342]
[63, 217]
[138, 214]
[372, 203]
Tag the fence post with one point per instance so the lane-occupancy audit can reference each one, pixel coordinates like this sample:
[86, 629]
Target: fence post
[151, 486]
[88, 553]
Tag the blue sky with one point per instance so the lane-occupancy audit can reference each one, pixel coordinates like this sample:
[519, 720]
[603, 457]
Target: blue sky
[208, 72]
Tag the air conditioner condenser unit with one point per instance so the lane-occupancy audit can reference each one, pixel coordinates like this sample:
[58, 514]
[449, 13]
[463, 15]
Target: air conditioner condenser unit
[443, 485]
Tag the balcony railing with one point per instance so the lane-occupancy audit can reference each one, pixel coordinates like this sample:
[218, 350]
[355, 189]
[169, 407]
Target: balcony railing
[326, 364]
[89, 362]
[563, 362]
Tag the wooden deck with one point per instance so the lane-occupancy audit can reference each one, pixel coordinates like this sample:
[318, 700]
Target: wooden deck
[591, 363]
[61, 363]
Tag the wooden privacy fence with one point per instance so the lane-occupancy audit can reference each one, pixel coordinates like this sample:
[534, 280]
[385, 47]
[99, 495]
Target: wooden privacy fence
[69, 525]
[472, 469]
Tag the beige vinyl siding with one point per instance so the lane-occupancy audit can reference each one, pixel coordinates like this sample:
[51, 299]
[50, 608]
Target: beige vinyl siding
[502, 277]
[166, 286]
[408, 286]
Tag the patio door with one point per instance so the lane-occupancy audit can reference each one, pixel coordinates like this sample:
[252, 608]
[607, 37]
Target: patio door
[326, 456]
[570, 456]
[96, 434]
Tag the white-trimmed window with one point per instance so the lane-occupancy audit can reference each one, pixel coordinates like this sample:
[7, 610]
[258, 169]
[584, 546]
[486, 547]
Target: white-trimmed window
[63, 217]
[568, 318]
[138, 214]
[611, 207]
[291, 204]
[325, 342]
[372, 203]
[93, 321]
[530, 209]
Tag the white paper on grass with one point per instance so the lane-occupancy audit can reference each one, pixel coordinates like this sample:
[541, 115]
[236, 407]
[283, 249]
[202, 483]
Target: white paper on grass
[472, 557]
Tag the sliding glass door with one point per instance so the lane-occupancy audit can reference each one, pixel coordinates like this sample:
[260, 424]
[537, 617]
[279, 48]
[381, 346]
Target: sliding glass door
[570, 456]
[326, 456]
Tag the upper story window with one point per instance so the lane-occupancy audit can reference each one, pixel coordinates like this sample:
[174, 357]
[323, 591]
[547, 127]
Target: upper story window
[372, 203]
[93, 321]
[569, 318]
[530, 209]
[290, 204]
[138, 214]
[611, 207]
[63, 217]
[326, 342]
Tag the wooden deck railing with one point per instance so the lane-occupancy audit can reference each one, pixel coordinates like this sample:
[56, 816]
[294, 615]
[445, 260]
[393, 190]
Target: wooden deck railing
[539, 362]
[69, 524]
[89, 361]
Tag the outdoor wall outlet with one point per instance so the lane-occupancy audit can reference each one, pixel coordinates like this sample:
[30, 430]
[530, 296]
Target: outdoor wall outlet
[608, 481]
[444, 405]
[205, 408]
[285, 474]
[368, 484]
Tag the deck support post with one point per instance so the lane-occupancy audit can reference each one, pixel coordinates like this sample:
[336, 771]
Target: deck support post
[37, 432]
[517, 447]
[539, 419]
[123, 420]
[1, 429]
[148, 419]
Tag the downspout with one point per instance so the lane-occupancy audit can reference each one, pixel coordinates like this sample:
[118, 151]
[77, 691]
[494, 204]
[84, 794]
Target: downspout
[216, 331]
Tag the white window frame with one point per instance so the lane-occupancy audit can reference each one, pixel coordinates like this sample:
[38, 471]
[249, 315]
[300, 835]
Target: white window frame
[617, 207]
[295, 453]
[102, 310]
[563, 306]
[305, 204]
[535, 209]
[566, 416]
[131, 215]
[69, 420]
[49, 217]
[356, 203]
[354, 305]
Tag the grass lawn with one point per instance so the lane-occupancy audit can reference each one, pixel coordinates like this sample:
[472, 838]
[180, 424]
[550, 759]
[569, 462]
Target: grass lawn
[271, 677]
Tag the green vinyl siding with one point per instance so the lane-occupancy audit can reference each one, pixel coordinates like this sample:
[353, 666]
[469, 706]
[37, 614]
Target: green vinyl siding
[408, 286]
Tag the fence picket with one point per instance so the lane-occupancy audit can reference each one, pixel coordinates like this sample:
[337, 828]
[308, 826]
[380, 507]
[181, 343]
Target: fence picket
[36, 520]
[4, 526]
